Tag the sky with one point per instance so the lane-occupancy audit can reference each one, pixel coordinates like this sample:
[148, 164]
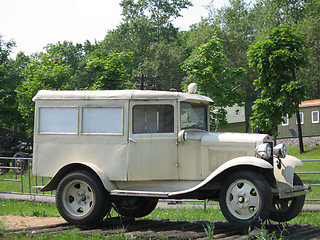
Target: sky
[33, 24]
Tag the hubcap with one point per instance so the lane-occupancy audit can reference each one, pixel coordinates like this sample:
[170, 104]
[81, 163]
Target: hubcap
[242, 199]
[78, 198]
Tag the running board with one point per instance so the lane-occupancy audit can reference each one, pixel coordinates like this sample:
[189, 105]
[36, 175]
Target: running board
[126, 193]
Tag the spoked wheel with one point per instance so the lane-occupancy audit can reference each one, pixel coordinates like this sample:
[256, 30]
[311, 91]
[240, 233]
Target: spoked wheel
[245, 199]
[81, 198]
[288, 208]
[135, 206]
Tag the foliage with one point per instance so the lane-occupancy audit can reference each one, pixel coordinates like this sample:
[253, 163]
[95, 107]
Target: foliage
[158, 49]
[207, 67]
[9, 80]
[276, 60]
[110, 71]
[41, 73]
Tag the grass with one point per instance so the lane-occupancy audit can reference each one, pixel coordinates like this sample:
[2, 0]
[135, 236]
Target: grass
[310, 153]
[11, 207]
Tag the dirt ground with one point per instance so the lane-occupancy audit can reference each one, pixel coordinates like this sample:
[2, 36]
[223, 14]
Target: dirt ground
[19, 222]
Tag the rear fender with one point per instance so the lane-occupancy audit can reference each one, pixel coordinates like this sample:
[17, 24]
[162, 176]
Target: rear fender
[284, 171]
[53, 184]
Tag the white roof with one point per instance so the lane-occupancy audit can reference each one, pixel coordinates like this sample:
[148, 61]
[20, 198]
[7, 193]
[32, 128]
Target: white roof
[118, 94]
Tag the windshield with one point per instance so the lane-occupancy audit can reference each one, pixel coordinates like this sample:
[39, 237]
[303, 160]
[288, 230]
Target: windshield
[194, 115]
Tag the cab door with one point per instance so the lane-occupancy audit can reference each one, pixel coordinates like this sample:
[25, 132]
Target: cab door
[152, 149]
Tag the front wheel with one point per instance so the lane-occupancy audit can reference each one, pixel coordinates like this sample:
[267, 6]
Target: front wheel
[288, 208]
[81, 198]
[245, 199]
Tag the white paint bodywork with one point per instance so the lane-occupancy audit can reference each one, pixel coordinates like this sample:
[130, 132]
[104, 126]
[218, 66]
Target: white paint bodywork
[158, 162]
[284, 175]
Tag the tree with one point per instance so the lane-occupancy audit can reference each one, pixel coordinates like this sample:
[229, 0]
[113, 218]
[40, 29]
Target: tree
[9, 79]
[276, 59]
[111, 71]
[207, 67]
[41, 72]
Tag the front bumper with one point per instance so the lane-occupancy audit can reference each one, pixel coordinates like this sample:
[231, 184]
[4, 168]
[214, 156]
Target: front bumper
[291, 191]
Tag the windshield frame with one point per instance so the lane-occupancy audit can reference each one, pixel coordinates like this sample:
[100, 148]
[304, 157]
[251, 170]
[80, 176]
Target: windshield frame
[200, 116]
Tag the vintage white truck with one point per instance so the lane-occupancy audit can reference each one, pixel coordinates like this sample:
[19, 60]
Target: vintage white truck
[128, 148]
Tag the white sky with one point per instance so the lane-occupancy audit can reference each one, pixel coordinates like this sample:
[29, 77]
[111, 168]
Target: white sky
[33, 24]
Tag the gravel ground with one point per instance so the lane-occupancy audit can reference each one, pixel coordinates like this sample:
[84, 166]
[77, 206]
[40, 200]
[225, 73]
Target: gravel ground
[308, 141]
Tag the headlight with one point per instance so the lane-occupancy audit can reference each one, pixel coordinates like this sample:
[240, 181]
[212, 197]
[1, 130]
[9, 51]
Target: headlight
[280, 150]
[264, 151]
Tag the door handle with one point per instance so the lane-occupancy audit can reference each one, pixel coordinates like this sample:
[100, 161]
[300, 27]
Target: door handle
[132, 140]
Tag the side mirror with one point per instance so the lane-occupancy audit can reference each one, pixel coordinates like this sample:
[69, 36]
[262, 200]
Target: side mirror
[182, 136]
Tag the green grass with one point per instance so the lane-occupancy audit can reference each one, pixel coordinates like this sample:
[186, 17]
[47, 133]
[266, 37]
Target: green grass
[310, 153]
[24, 208]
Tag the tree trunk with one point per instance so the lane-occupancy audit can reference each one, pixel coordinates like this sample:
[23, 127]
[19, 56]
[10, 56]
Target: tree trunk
[299, 132]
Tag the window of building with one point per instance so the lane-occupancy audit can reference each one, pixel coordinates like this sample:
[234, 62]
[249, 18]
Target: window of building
[301, 118]
[58, 120]
[153, 119]
[102, 120]
[285, 120]
[315, 116]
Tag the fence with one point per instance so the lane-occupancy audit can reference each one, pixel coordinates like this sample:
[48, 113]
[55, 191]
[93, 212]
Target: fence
[20, 177]
[22, 174]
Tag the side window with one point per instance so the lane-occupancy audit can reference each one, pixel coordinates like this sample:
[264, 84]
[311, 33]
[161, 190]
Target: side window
[102, 120]
[153, 119]
[58, 120]
[315, 116]
[285, 120]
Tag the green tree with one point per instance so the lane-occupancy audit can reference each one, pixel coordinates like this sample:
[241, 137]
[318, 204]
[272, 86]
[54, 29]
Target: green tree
[41, 73]
[310, 27]
[276, 59]
[111, 71]
[207, 67]
[9, 79]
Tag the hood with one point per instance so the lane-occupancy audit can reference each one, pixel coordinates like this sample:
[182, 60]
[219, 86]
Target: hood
[235, 138]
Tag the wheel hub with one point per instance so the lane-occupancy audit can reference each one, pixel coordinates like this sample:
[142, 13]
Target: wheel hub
[82, 197]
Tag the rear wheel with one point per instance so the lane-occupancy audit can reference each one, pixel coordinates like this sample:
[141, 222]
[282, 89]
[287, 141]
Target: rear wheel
[245, 198]
[20, 164]
[81, 198]
[288, 208]
[135, 206]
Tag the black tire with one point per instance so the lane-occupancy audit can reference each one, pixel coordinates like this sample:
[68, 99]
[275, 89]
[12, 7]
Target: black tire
[135, 206]
[22, 164]
[286, 209]
[81, 198]
[245, 199]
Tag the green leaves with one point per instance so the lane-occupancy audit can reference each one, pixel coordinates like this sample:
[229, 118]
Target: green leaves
[276, 59]
[207, 67]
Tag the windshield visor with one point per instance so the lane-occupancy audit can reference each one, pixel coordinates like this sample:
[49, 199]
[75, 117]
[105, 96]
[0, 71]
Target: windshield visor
[194, 115]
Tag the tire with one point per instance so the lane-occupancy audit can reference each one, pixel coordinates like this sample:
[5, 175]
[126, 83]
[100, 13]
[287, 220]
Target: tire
[81, 198]
[22, 164]
[135, 206]
[286, 209]
[245, 199]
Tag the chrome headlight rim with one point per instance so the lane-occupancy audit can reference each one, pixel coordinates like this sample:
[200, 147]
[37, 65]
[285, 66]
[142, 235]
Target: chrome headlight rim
[264, 151]
[280, 151]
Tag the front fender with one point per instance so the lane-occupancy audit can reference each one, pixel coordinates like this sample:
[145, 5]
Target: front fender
[236, 162]
[284, 171]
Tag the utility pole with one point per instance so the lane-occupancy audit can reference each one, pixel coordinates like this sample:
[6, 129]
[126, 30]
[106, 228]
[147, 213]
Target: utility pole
[142, 82]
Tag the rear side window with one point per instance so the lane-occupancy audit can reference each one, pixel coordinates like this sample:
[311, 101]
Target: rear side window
[58, 120]
[153, 119]
[107, 120]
